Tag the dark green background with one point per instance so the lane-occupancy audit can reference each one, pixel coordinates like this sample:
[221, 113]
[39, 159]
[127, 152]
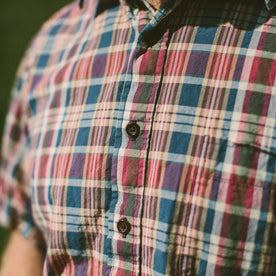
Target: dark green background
[19, 22]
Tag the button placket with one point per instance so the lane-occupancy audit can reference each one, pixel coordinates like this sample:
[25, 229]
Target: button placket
[135, 124]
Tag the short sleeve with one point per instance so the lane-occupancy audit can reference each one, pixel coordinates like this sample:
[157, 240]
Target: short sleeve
[15, 174]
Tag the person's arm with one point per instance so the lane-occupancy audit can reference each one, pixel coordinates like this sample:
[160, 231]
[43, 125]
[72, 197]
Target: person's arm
[22, 258]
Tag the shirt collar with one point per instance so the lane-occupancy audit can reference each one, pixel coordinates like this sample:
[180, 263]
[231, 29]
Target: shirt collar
[146, 34]
[171, 4]
[166, 8]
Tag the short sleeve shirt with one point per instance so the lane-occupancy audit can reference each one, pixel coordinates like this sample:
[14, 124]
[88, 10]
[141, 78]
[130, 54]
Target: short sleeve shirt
[143, 142]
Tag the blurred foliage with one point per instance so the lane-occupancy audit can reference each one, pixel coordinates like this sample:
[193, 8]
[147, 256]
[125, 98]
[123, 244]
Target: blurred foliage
[19, 22]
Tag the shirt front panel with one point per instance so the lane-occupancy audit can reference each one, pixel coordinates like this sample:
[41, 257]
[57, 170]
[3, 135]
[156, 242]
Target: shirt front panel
[210, 144]
[204, 160]
[78, 173]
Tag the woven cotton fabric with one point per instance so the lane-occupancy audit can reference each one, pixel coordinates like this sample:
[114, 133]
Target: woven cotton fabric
[197, 185]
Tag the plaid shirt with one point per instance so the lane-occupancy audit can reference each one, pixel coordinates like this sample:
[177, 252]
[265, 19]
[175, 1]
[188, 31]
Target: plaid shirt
[142, 143]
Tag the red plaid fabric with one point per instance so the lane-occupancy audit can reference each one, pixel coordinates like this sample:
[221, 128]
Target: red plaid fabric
[144, 143]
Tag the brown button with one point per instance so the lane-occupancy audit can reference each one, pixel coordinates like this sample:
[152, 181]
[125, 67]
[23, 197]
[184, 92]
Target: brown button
[133, 130]
[124, 226]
